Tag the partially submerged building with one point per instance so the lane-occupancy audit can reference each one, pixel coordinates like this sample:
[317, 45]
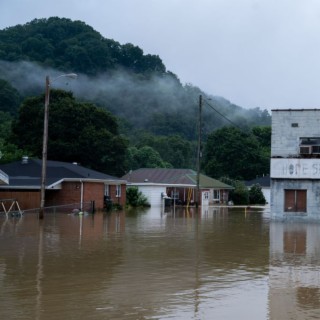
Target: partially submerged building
[295, 164]
[66, 184]
[178, 184]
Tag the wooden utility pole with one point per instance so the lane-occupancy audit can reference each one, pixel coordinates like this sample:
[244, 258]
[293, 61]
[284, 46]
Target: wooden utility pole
[44, 149]
[199, 151]
[45, 140]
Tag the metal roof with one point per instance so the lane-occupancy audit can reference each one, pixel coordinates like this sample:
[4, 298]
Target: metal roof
[181, 177]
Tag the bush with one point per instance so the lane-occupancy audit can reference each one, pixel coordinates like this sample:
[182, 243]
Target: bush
[240, 194]
[135, 198]
[256, 196]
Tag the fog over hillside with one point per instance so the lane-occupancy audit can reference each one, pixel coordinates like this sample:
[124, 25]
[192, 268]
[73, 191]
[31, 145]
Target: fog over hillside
[139, 101]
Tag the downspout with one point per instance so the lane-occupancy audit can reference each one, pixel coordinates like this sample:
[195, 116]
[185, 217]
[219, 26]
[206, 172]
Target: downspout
[81, 196]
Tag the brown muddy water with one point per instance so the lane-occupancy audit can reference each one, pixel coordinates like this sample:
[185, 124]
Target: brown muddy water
[218, 263]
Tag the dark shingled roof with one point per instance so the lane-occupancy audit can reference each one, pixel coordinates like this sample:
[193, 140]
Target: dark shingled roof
[185, 177]
[262, 181]
[28, 174]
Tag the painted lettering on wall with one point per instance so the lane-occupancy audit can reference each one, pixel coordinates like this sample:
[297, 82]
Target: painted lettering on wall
[295, 168]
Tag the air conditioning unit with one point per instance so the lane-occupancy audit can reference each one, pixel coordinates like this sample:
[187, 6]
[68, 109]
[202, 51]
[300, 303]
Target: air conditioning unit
[305, 149]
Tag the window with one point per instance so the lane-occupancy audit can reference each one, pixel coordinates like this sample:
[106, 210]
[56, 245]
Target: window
[106, 190]
[295, 200]
[118, 190]
[175, 194]
[309, 146]
[216, 194]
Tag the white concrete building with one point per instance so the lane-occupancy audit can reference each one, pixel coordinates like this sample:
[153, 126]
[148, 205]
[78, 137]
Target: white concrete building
[295, 164]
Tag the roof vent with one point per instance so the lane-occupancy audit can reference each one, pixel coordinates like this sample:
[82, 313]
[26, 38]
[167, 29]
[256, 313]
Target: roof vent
[146, 180]
[25, 160]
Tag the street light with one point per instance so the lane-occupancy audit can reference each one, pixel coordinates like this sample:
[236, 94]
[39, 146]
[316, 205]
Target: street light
[199, 152]
[45, 139]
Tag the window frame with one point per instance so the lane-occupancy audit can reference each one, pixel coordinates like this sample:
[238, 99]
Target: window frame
[295, 200]
[118, 190]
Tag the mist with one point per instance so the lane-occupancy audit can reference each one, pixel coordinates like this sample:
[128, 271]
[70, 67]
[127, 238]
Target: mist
[144, 102]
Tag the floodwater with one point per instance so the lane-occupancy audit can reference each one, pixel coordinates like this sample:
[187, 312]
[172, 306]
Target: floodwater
[217, 263]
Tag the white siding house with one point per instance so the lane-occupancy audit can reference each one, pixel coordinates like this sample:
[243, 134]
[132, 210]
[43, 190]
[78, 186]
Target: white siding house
[178, 184]
[153, 193]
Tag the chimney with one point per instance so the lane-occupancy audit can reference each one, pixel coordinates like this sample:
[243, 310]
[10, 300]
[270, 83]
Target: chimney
[25, 160]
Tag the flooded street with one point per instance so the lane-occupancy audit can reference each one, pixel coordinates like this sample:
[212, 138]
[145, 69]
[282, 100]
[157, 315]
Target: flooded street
[217, 264]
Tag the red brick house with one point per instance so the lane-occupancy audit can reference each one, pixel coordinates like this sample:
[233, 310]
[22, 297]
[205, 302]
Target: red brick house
[66, 184]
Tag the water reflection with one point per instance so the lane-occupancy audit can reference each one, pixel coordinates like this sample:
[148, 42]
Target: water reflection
[294, 270]
[215, 263]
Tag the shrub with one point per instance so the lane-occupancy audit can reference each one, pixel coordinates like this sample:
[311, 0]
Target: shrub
[256, 196]
[135, 198]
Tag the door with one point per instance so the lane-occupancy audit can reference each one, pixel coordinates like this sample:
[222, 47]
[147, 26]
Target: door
[205, 198]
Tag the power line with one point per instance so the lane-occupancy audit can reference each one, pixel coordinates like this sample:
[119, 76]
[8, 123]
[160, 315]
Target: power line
[247, 132]
[223, 116]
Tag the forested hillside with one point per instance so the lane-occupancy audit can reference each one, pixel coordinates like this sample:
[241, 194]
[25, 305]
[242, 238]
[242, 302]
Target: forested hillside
[156, 114]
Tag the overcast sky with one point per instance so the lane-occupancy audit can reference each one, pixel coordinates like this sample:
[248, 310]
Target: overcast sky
[255, 53]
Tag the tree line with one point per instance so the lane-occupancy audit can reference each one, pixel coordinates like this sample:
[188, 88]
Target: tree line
[148, 119]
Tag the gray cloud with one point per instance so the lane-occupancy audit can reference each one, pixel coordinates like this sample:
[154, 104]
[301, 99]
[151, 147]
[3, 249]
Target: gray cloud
[254, 53]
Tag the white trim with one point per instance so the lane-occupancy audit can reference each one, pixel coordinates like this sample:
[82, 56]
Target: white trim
[4, 177]
[57, 184]
[110, 182]
[118, 191]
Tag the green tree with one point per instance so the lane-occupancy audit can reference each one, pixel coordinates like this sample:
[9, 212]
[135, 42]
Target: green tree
[8, 151]
[143, 87]
[240, 194]
[173, 149]
[10, 98]
[234, 153]
[263, 134]
[256, 196]
[144, 157]
[78, 132]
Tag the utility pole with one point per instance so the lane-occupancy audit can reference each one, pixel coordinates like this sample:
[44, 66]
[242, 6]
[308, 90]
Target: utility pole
[199, 151]
[44, 148]
[45, 140]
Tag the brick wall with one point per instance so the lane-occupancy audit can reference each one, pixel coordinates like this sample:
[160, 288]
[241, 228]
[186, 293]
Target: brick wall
[70, 193]
[27, 199]
[119, 200]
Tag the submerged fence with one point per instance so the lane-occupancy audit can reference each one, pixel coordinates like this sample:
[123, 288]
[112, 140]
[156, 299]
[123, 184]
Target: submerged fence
[88, 207]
